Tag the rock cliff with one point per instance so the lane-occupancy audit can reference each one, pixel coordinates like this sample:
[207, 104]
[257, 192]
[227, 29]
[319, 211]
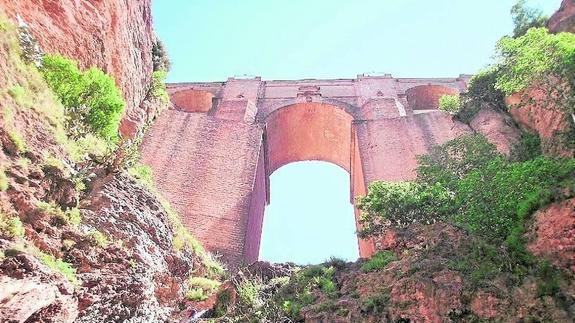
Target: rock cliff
[116, 36]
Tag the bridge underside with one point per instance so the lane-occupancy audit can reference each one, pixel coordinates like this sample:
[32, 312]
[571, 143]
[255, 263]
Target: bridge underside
[212, 154]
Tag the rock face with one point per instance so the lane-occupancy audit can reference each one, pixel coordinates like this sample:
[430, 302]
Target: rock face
[31, 292]
[564, 18]
[533, 111]
[498, 128]
[142, 279]
[554, 234]
[115, 36]
[424, 283]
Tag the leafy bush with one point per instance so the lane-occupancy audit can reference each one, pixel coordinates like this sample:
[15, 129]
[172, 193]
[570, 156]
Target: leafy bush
[378, 261]
[525, 18]
[18, 141]
[98, 239]
[375, 304]
[249, 290]
[160, 56]
[60, 266]
[400, 204]
[525, 60]
[452, 161]
[158, 86]
[529, 147]
[91, 98]
[71, 216]
[90, 147]
[465, 181]
[481, 92]
[450, 103]
[201, 288]
[11, 226]
[143, 173]
[495, 199]
[298, 292]
[18, 93]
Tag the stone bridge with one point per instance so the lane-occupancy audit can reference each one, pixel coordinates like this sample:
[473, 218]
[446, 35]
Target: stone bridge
[213, 153]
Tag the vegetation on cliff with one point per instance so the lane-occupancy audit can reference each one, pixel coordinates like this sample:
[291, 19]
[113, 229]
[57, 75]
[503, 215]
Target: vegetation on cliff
[70, 218]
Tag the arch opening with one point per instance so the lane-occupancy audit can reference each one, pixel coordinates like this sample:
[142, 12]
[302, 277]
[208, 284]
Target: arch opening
[426, 97]
[308, 131]
[192, 100]
[310, 218]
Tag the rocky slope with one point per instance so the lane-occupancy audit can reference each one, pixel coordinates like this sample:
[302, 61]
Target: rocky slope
[116, 36]
[80, 240]
[564, 18]
[424, 281]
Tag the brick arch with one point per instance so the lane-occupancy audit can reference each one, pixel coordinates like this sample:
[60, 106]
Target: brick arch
[426, 97]
[266, 112]
[308, 131]
[191, 100]
[303, 132]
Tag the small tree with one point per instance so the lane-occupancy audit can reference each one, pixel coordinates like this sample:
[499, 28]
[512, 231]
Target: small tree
[449, 103]
[160, 56]
[91, 98]
[525, 18]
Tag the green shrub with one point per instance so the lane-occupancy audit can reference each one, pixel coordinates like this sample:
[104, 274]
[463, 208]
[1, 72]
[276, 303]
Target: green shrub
[201, 288]
[158, 86]
[375, 304]
[481, 92]
[11, 226]
[549, 279]
[4, 184]
[196, 295]
[18, 93]
[448, 163]
[249, 290]
[539, 58]
[493, 200]
[98, 239]
[298, 292]
[18, 141]
[90, 147]
[480, 191]
[71, 216]
[60, 266]
[222, 303]
[143, 173]
[378, 261]
[450, 103]
[529, 147]
[400, 204]
[336, 263]
[90, 97]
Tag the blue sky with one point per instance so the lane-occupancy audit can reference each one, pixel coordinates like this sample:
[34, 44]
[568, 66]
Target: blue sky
[310, 217]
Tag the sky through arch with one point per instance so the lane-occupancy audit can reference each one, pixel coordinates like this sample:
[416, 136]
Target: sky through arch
[310, 217]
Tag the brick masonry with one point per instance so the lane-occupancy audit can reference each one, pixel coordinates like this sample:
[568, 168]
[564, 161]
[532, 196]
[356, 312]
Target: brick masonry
[213, 153]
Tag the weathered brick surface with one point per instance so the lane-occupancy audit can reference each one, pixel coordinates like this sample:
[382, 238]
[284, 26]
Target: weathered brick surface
[206, 168]
[214, 166]
[192, 100]
[426, 97]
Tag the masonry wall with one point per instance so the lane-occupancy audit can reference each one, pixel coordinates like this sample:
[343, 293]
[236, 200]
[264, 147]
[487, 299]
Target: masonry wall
[206, 168]
[212, 154]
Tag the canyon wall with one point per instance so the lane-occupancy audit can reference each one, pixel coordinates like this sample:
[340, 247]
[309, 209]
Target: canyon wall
[116, 36]
[564, 18]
